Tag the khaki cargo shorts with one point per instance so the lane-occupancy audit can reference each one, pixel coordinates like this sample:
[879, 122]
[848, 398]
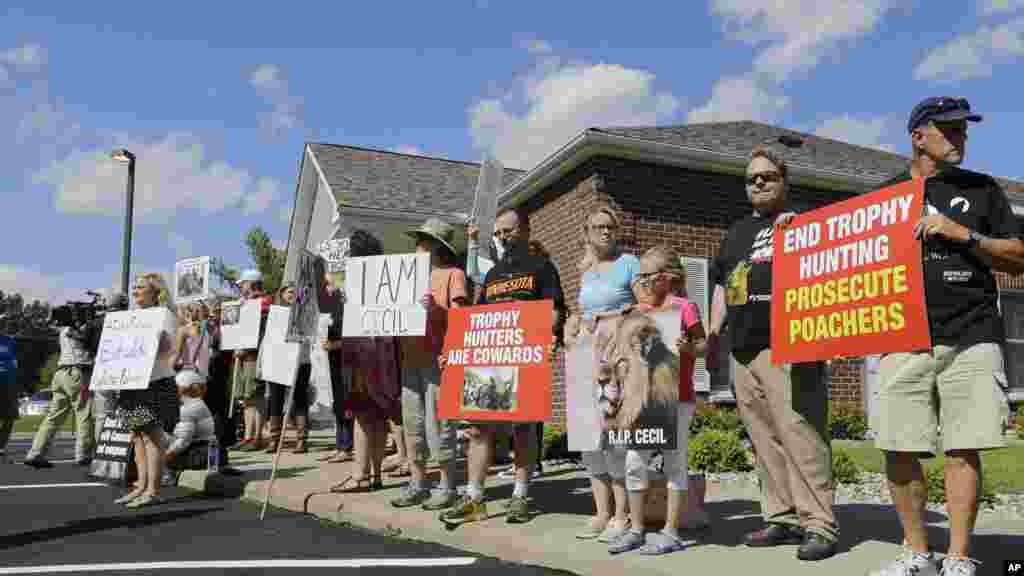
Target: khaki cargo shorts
[961, 389]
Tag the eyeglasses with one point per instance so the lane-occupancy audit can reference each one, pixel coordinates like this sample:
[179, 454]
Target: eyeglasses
[645, 280]
[767, 177]
[603, 227]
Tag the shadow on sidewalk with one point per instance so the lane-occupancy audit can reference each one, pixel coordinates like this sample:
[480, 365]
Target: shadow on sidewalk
[89, 525]
[283, 473]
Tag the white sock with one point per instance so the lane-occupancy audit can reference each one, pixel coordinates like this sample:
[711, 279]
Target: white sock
[475, 490]
[521, 488]
[670, 532]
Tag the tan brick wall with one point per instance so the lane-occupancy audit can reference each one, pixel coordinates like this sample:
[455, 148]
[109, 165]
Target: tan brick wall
[660, 204]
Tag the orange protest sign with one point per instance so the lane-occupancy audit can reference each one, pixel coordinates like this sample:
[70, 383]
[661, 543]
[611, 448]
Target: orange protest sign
[497, 365]
[847, 279]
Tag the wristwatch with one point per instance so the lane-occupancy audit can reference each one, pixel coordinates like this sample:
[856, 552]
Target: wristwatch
[973, 239]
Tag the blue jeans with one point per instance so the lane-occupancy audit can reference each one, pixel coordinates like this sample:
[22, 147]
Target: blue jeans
[342, 432]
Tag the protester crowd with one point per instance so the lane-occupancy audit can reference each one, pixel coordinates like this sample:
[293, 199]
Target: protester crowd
[387, 389]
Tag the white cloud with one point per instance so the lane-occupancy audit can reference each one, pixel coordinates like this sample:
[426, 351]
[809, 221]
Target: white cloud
[538, 47]
[739, 98]
[269, 81]
[171, 173]
[29, 56]
[35, 285]
[869, 132]
[408, 149]
[560, 101]
[792, 37]
[260, 199]
[973, 55]
[1000, 6]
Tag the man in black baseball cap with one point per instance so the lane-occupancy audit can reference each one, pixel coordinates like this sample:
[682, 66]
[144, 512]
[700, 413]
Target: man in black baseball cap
[968, 231]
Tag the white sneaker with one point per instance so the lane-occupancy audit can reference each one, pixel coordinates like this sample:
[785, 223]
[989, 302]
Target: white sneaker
[959, 566]
[911, 564]
[613, 532]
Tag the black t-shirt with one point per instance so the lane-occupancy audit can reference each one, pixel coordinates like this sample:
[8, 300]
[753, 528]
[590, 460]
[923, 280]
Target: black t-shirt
[960, 290]
[744, 268]
[531, 278]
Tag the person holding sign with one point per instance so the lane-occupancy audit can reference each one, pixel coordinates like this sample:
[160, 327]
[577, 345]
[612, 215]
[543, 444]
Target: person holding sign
[150, 412]
[278, 393]
[247, 387]
[426, 435]
[607, 274]
[783, 407]
[968, 231]
[518, 276]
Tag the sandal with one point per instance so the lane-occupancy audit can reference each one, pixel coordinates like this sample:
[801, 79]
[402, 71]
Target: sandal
[661, 543]
[340, 456]
[401, 472]
[359, 486]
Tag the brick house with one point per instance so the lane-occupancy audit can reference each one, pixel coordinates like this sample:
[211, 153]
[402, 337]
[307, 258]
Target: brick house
[681, 185]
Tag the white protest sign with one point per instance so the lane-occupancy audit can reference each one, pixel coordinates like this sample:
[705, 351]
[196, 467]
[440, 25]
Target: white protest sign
[191, 280]
[485, 201]
[278, 360]
[320, 375]
[127, 358]
[383, 293]
[240, 325]
[334, 252]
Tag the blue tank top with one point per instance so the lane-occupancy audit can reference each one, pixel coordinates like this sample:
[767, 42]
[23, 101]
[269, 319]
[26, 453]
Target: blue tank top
[611, 289]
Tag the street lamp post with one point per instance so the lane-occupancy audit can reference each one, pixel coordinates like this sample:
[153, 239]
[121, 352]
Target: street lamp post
[123, 155]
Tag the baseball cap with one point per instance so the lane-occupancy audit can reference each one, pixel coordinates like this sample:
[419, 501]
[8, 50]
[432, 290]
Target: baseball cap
[941, 109]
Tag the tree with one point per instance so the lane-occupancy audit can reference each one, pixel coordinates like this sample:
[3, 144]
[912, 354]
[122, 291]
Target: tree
[269, 260]
[26, 320]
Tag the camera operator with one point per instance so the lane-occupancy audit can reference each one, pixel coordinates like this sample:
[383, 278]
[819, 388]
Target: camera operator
[81, 324]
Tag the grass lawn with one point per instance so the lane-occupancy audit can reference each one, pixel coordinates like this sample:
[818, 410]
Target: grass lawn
[31, 423]
[1003, 468]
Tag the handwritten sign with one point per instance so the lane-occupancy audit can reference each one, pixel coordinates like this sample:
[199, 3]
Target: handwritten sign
[304, 313]
[191, 280]
[498, 366]
[320, 374]
[278, 360]
[847, 279]
[240, 325]
[383, 295]
[334, 252]
[128, 357]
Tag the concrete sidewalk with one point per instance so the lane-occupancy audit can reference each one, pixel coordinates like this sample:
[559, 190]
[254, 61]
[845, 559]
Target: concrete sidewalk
[870, 534]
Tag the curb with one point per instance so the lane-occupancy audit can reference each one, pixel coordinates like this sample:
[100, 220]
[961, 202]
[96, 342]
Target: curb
[213, 484]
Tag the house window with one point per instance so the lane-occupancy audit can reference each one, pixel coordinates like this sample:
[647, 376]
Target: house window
[1012, 304]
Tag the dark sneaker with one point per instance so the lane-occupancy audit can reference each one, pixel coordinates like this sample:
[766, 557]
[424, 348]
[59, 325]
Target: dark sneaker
[83, 462]
[38, 462]
[518, 511]
[816, 547]
[465, 510]
[441, 501]
[410, 497]
[774, 535]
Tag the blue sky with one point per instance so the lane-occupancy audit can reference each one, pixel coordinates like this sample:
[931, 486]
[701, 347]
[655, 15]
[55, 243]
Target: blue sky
[218, 101]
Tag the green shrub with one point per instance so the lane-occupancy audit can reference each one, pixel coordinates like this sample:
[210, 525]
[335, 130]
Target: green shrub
[844, 468]
[711, 417]
[1018, 420]
[555, 441]
[718, 451]
[935, 479]
[847, 422]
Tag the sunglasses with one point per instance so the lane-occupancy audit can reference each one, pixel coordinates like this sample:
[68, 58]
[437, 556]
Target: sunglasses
[645, 280]
[767, 177]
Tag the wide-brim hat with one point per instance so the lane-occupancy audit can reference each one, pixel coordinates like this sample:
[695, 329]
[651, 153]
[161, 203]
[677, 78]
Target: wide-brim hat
[436, 229]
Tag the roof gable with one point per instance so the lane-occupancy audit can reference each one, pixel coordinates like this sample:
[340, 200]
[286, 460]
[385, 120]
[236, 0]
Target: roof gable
[366, 178]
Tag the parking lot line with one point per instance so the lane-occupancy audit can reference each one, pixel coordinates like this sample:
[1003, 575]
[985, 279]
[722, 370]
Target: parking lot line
[66, 485]
[228, 564]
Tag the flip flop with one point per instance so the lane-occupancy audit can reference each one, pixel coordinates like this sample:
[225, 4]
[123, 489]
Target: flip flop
[359, 486]
[661, 543]
[340, 457]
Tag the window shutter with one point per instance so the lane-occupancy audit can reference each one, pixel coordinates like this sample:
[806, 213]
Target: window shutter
[697, 292]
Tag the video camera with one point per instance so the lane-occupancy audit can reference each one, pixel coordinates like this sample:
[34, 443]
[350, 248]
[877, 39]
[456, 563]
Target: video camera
[79, 314]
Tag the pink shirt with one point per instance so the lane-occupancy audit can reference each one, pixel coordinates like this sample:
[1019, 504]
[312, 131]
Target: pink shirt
[690, 317]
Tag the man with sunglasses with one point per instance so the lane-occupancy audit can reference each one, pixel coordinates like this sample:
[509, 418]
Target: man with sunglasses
[519, 275]
[784, 408]
[968, 230]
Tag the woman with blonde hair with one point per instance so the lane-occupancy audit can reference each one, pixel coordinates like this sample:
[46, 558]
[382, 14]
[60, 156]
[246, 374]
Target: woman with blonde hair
[150, 412]
[607, 274]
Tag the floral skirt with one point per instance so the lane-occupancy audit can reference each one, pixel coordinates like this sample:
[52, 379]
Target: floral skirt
[153, 408]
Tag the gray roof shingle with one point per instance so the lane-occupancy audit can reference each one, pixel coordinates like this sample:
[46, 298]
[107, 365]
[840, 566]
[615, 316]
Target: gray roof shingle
[381, 179]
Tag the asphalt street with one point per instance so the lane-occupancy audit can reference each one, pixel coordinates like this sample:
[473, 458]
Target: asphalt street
[58, 520]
